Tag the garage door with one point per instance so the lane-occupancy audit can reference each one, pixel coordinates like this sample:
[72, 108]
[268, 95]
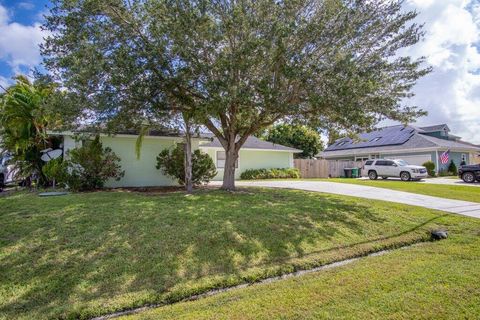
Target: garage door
[417, 159]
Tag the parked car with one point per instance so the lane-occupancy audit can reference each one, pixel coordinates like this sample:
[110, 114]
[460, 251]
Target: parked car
[6, 171]
[396, 168]
[469, 173]
[3, 173]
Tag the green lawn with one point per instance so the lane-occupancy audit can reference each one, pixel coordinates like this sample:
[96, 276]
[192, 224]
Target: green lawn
[88, 254]
[435, 280]
[437, 190]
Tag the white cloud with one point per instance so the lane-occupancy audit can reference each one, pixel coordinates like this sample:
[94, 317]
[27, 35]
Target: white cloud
[4, 83]
[19, 44]
[27, 5]
[3, 15]
[451, 93]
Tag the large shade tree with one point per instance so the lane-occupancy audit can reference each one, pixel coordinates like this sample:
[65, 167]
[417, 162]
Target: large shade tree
[239, 66]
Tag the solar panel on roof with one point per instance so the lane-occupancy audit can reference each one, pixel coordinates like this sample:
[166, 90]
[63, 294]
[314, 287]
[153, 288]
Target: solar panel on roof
[383, 137]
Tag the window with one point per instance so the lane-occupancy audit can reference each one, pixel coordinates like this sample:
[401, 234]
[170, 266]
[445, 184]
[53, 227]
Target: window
[369, 163]
[375, 139]
[389, 163]
[402, 163]
[341, 143]
[221, 157]
[381, 163]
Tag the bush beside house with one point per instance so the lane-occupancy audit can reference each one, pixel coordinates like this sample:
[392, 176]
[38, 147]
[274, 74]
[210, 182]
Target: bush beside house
[452, 168]
[430, 166]
[172, 163]
[87, 167]
[283, 173]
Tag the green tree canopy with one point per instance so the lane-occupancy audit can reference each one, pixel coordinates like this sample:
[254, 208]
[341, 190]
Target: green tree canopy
[296, 136]
[244, 65]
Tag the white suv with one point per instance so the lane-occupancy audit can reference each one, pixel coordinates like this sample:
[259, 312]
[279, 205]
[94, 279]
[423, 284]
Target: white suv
[386, 168]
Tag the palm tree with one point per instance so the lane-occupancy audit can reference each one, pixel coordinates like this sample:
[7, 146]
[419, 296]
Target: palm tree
[23, 125]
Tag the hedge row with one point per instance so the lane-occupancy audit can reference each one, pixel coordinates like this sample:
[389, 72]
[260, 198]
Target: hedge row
[281, 173]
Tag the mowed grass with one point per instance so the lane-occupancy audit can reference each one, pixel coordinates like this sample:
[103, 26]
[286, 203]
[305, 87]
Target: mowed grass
[89, 254]
[460, 192]
[434, 280]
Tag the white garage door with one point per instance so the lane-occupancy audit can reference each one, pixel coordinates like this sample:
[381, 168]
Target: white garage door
[417, 159]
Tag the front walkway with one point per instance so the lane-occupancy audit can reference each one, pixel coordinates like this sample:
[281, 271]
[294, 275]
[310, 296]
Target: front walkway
[465, 208]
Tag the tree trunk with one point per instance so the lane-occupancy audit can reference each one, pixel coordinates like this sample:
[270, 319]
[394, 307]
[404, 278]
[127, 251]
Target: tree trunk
[229, 170]
[188, 157]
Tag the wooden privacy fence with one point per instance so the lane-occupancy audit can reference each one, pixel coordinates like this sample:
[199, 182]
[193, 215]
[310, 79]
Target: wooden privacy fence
[311, 168]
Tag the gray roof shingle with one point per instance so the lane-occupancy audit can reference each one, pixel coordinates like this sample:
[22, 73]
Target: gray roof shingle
[251, 143]
[435, 128]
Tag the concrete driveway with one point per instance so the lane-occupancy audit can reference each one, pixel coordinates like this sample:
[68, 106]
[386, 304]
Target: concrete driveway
[452, 182]
[444, 181]
[465, 208]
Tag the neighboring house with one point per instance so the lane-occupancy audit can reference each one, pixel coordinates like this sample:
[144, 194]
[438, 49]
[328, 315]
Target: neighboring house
[415, 145]
[255, 154]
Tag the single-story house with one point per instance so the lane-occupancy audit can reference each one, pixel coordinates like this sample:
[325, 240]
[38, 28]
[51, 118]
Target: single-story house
[416, 145]
[255, 154]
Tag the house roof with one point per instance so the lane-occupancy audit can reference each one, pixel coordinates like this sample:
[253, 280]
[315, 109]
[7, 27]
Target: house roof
[211, 141]
[458, 144]
[251, 143]
[435, 128]
[154, 132]
[417, 140]
[386, 136]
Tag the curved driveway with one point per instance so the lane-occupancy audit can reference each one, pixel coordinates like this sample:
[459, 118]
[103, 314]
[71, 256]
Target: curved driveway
[465, 208]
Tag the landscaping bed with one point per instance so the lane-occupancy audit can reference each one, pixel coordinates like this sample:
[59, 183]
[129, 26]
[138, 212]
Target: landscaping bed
[88, 254]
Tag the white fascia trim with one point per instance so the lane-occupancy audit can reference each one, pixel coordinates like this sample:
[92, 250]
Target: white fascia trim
[249, 149]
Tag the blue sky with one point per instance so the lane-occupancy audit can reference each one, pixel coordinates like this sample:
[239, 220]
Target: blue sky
[451, 94]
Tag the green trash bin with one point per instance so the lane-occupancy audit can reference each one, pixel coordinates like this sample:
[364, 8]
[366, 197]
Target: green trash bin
[354, 172]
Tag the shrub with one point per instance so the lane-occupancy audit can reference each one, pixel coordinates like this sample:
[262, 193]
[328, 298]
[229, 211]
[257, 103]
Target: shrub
[254, 174]
[430, 168]
[452, 168]
[171, 162]
[91, 165]
[56, 170]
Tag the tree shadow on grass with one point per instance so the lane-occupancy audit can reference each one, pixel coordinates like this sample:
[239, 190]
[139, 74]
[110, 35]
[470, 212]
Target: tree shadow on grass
[113, 250]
